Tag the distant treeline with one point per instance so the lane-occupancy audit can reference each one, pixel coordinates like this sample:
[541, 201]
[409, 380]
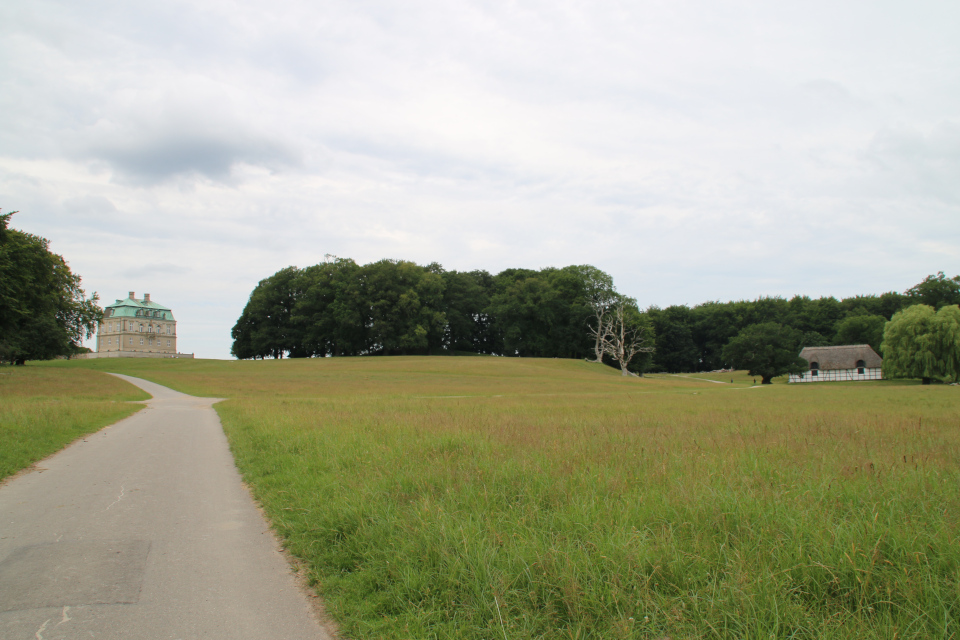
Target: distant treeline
[340, 308]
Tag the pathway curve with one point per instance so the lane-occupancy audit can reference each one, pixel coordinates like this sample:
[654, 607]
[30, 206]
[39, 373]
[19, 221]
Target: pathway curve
[144, 530]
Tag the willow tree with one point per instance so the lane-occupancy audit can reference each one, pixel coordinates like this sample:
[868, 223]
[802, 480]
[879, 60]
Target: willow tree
[920, 342]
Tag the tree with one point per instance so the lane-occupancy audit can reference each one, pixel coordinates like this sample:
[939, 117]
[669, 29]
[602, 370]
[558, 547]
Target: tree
[767, 350]
[919, 342]
[43, 311]
[861, 329]
[265, 327]
[541, 314]
[600, 295]
[675, 348]
[330, 312]
[936, 291]
[624, 333]
[813, 339]
[404, 307]
[466, 296]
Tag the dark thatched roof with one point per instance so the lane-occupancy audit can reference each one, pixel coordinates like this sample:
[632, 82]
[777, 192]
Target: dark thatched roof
[844, 357]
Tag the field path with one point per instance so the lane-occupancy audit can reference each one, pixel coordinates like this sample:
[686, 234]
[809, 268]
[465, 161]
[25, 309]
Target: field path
[144, 530]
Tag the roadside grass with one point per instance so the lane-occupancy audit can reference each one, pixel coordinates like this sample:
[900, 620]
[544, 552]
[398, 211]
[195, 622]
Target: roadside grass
[487, 497]
[43, 409]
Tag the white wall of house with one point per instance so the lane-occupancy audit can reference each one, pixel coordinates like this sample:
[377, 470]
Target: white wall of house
[838, 375]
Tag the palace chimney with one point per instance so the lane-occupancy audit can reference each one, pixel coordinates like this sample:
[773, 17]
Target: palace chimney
[146, 297]
[133, 295]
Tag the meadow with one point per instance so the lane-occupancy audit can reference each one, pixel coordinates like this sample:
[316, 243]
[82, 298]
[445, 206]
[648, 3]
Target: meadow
[489, 498]
[43, 409]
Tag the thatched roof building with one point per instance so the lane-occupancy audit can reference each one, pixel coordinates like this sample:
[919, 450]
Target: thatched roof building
[851, 356]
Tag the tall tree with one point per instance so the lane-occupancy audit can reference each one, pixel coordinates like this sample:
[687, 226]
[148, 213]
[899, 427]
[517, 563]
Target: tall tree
[600, 295]
[676, 350]
[404, 303]
[265, 327]
[861, 329]
[767, 350]
[936, 291]
[466, 296]
[330, 312]
[625, 333]
[43, 311]
[920, 342]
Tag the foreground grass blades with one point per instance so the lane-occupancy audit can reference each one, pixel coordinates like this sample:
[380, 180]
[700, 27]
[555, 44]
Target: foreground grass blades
[43, 409]
[485, 498]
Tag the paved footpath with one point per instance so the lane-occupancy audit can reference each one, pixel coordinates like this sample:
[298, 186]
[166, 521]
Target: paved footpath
[144, 531]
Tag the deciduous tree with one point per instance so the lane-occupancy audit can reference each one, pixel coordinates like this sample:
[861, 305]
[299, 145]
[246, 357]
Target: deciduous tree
[624, 333]
[920, 342]
[767, 350]
[43, 311]
[936, 291]
[861, 329]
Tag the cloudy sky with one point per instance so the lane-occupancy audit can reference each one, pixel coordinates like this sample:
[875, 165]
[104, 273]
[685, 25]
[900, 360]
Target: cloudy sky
[695, 150]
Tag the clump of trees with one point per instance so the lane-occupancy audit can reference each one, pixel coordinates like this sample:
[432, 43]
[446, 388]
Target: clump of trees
[693, 338]
[388, 307]
[339, 308]
[43, 311]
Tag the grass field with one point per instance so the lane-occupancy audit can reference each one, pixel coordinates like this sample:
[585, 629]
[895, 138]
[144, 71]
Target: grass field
[521, 498]
[43, 408]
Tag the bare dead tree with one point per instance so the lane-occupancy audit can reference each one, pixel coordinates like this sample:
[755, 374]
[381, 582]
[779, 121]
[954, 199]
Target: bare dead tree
[601, 333]
[621, 339]
[602, 296]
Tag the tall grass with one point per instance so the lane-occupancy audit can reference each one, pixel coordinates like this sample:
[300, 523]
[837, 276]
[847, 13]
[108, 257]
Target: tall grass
[42, 409]
[559, 500]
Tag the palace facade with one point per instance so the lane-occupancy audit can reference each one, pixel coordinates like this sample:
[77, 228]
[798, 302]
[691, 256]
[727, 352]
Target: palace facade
[132, 327]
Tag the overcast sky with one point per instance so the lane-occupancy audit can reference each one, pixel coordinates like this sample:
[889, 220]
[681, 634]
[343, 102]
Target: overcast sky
[694, 150]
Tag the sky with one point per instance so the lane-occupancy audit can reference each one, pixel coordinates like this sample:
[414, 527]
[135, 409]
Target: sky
[694, 150]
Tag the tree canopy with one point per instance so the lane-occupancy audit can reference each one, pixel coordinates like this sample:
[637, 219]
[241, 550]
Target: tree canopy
[398, 307]
[920, 342]
[338, 308]
[767, 350]
[43, 311]
[936, 291]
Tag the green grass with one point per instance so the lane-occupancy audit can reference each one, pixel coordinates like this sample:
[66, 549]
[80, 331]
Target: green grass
[43, 409]
[520, 498]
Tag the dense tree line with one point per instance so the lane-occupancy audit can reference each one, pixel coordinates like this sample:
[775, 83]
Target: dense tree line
[693, 339]
[43, 311]
[389, 307]
[397, 307]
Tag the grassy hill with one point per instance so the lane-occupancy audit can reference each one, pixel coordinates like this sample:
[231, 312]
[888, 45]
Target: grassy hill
[43, 409]
[522, 498]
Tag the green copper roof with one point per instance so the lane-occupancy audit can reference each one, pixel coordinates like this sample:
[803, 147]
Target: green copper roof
[132, 308]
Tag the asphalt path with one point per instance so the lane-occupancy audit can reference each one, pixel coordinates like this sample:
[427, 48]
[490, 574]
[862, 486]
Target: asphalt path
[144, 530]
